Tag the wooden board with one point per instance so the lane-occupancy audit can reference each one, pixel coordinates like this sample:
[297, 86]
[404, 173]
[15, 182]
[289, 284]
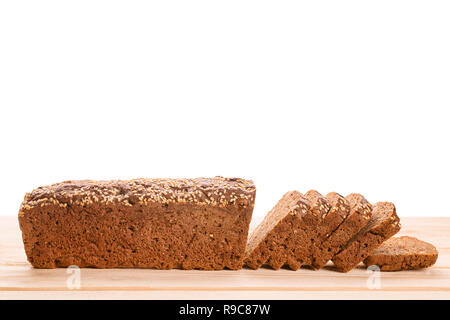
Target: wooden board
[18, 280]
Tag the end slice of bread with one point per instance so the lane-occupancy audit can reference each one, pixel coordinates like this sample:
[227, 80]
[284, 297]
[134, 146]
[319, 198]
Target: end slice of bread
[403, 253]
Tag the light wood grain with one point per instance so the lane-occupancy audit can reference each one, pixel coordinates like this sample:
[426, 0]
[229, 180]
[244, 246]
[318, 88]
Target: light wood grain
[18, 280]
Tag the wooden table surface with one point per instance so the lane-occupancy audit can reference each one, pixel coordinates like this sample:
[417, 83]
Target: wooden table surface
[18, 280]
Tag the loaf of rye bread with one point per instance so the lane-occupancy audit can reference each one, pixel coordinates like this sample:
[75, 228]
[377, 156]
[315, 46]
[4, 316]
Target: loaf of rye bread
[383, 224]
[403, 253]
[146, 223]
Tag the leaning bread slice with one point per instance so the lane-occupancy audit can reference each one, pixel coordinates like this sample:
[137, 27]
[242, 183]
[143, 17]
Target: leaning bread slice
[355, 212]
[283, 237]
[383, 225]
[403, 253]
[316, 225]
[332, 217]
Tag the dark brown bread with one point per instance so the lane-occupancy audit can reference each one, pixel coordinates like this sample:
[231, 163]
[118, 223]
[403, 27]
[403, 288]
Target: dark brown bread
[314, 230]
[147, 223]
[287, 233]
[331, 219]
[403, 253]
[383, 224]
[280, 237]
[354, 212]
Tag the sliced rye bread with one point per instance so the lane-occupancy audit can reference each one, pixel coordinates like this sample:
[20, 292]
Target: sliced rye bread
[284, 236]
[403, 253]
[332, 217]
[355, 212]
[383, 224]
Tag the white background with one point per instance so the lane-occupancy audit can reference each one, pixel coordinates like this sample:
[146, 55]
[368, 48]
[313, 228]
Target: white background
[347, 96]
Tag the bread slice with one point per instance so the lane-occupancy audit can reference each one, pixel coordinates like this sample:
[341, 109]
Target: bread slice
[332, 217]
[403, 253]
[383, 225]
[283, 237]
[354, 212]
